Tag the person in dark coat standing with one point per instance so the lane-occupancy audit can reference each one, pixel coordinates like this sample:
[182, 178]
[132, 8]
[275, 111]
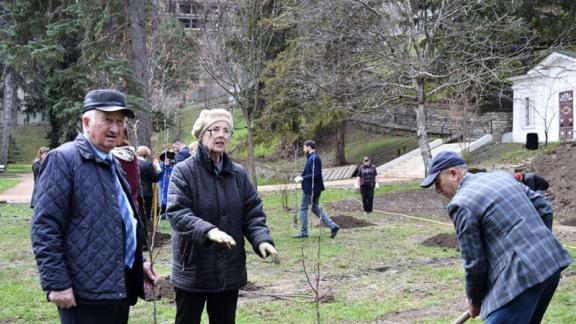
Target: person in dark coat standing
[312, 187]
[182, 151]
[148, 176]
[511, 258]
[40, 156]
[212, 207]
[533, 181]
[367, 181]
[85, 232]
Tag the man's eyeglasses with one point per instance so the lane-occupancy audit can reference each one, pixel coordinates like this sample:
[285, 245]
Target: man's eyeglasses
[214, 132]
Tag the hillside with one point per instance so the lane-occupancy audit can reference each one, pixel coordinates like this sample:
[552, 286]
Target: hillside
[558, 167]
[555, 163]
[25, 141]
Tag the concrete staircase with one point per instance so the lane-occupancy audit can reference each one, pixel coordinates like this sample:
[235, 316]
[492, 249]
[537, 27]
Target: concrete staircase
[411, 164]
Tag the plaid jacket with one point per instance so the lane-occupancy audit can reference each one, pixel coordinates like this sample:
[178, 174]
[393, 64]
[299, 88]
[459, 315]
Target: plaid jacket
[505, 237]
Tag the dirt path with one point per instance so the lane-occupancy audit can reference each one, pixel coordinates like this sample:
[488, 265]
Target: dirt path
[22, 192]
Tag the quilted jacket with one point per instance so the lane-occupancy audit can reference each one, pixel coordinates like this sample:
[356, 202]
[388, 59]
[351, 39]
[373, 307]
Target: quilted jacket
[505, 234]
[200, 199]
[77, 231]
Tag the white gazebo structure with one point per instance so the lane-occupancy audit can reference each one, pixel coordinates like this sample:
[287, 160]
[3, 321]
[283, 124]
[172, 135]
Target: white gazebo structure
[544, 99]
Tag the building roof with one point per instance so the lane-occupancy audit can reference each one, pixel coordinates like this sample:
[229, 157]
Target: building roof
[545, 64]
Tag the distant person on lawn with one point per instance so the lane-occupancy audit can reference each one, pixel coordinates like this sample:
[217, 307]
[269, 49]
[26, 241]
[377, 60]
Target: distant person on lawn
[40, 156]
[512, 261]
[312, 187]
[533, 181]
[85, 234]
[182, 151]
[367, 181]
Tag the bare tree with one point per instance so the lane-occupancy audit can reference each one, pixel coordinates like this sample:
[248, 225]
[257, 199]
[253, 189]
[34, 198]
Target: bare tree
[234, 44]
[419, 51]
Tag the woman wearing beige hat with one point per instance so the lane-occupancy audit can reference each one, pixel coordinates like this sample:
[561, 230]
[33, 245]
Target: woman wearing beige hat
[212, 207]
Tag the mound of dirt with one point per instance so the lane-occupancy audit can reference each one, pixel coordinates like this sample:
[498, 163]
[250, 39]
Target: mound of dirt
[164, 290]
[558, 167]
[250, 286]
[443, 240]
[422, 202]
[345, 221]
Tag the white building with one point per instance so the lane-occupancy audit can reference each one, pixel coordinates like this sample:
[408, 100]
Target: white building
[544, 99]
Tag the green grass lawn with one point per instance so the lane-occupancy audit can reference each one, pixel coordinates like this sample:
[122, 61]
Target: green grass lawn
[378, 273]
[7, 182]
[505, 154]
[26, 142]
[8, 179]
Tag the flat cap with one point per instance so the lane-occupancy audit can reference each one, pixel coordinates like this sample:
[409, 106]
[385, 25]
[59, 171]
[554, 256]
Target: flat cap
[107, 100]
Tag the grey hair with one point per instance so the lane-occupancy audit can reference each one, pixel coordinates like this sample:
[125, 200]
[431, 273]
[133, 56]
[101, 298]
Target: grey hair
[91, 115]
[462, 169]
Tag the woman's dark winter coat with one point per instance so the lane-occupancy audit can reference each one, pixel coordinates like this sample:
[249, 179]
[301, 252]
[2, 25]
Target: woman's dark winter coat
[199, 199]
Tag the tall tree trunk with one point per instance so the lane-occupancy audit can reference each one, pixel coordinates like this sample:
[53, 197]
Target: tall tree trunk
[138, 58]
[9, 105]
[421, 124]
[251, 161]
[340, 154]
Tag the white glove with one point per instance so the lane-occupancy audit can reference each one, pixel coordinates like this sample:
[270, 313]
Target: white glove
[377, 185]
[267, 249]
[356, 185]
[218, 236]
[298, 179]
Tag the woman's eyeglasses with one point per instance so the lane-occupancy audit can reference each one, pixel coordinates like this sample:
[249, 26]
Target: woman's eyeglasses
[225, 132]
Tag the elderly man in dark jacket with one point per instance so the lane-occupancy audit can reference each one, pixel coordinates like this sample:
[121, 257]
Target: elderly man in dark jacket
[212, 205]
[85, 232]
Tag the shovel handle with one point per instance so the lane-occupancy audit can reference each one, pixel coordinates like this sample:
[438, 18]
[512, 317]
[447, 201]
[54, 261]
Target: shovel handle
[462, 318]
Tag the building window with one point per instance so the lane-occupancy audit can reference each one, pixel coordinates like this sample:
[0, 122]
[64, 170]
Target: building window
[528, 112]
[185, 8]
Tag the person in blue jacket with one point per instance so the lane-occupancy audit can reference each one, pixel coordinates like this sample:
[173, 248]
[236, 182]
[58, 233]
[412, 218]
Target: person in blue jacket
[312, 187]
[166, 167]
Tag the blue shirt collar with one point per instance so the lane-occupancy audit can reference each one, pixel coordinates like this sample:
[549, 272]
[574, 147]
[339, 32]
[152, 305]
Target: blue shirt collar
[100, 154]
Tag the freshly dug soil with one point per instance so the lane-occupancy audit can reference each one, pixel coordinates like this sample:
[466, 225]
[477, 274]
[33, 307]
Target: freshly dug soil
[164, 290]
[424, 202]
[558, 168]
[443, 240]
[344, 221]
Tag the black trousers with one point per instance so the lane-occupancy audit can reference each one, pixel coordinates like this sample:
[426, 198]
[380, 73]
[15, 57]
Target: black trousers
[221, 306]
[148, 207]
[113, 313]
[367, 193]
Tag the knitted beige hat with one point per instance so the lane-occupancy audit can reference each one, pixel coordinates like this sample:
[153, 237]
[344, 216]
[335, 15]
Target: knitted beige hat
[208, 117]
